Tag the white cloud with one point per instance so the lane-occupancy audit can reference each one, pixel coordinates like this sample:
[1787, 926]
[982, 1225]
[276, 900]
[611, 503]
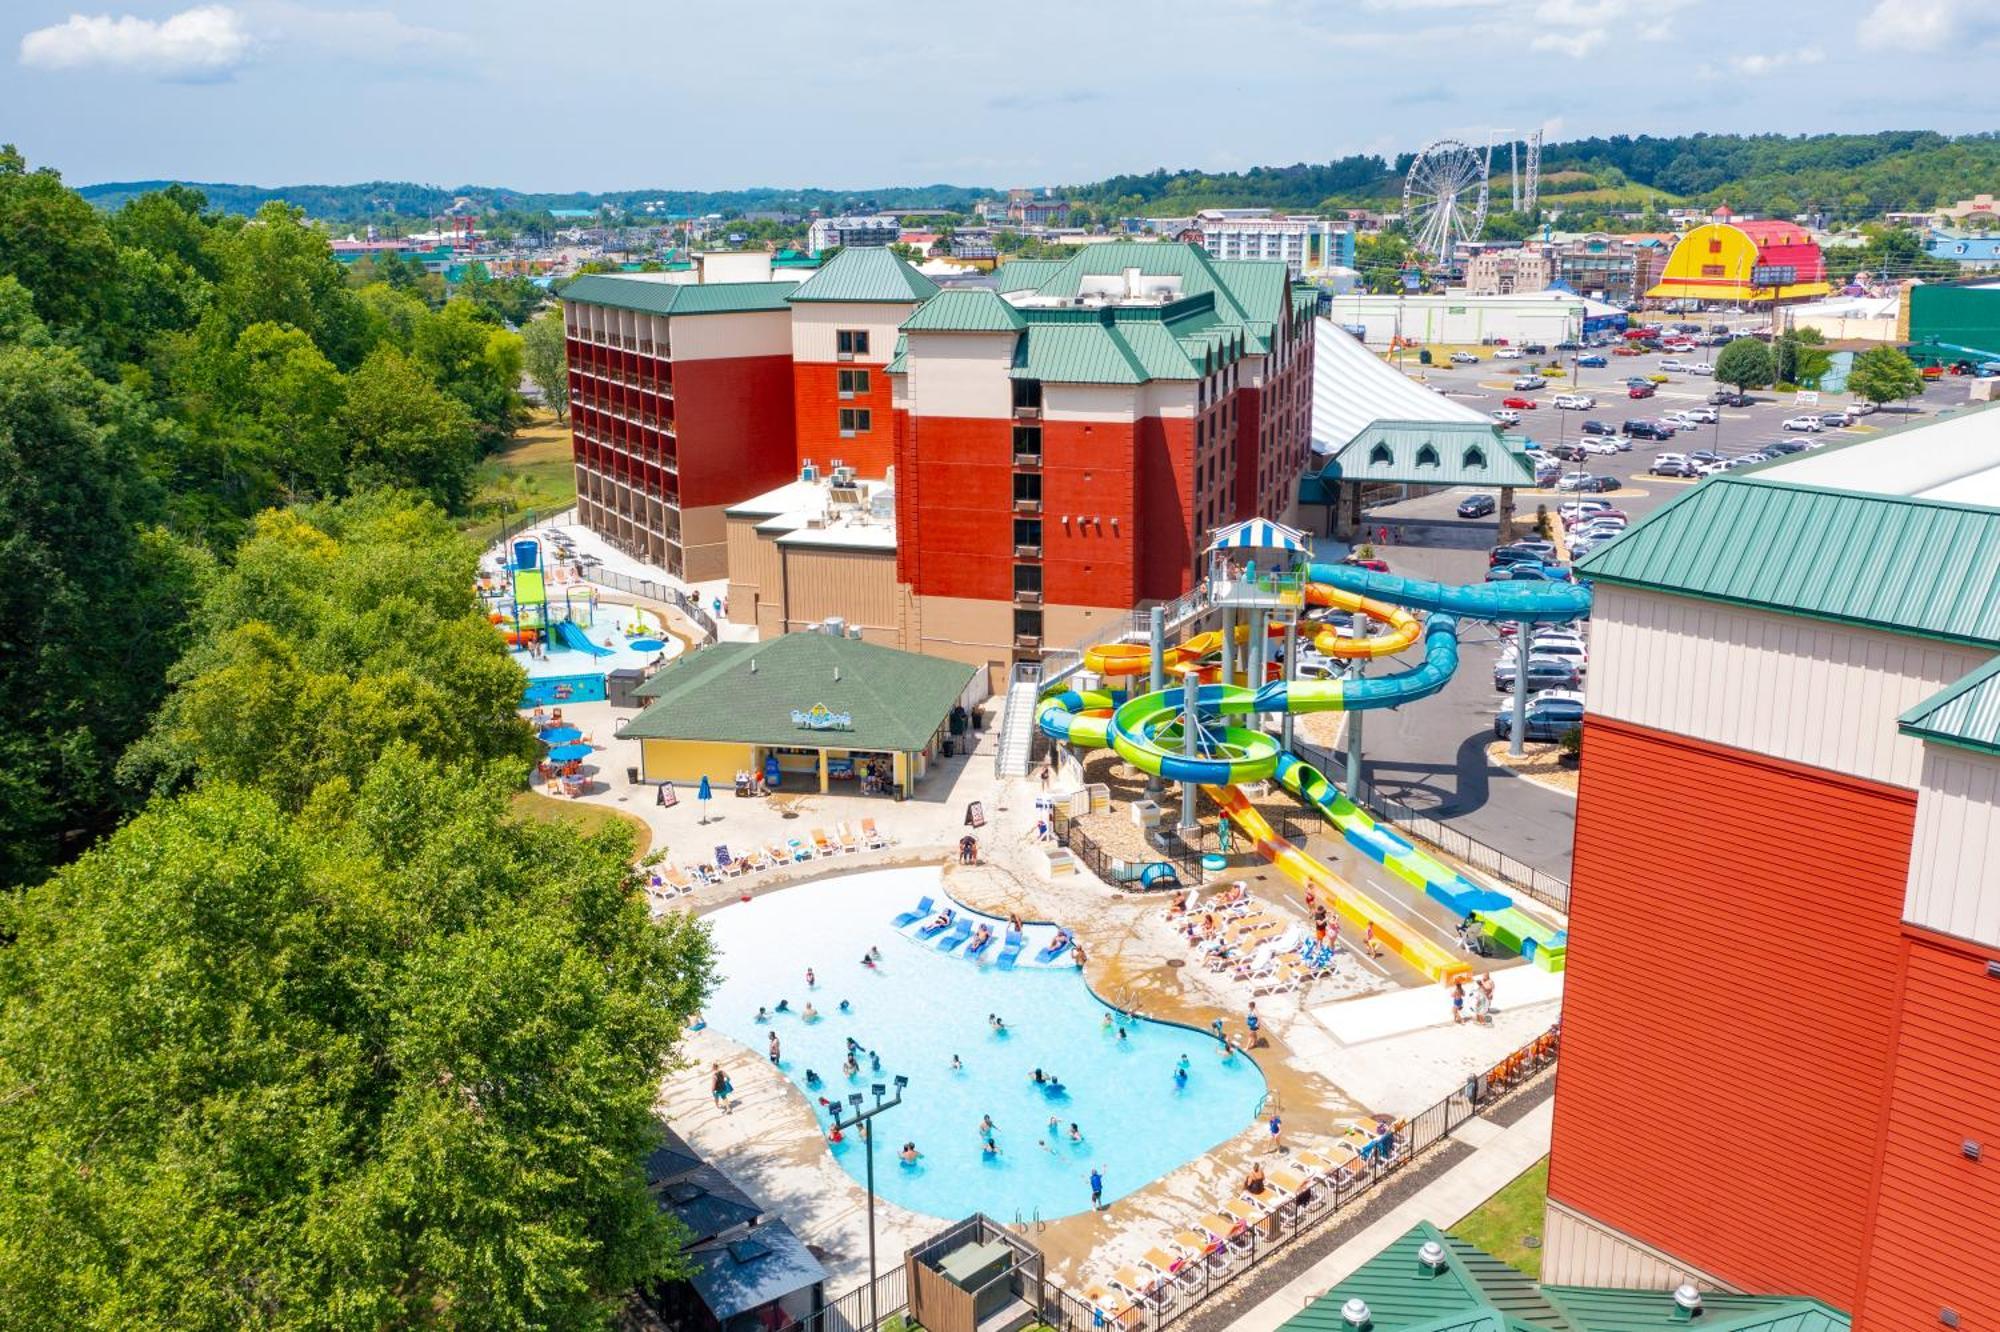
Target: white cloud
[1575, 28]
[1573, 44]
[1755, 64]
[207, 41]
[367, 36]
[1927, 25]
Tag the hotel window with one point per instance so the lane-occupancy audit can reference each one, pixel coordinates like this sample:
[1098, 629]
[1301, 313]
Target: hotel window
[1027, 624]
[1028, 441]
[853, 382]
[1027, 580]
[855, 420]
[1027, 487]
[1028, 533]
[851, 341]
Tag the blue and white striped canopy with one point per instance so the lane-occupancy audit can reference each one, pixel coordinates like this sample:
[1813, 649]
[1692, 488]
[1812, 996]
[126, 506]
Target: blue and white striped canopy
[1259, 534]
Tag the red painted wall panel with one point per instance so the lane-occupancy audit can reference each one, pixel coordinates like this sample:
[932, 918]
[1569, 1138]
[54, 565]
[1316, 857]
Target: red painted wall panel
[1938, 1213]
[1728, 1014]
[816, 408]
[1087, 473]
[1250, 461]
[965, 525]
[735, 424]
[1163, 452]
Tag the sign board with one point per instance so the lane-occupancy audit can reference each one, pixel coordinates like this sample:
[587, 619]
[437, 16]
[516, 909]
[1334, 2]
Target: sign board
[1773, 275]
[820, 718]
[975, 814]
[1454, 309]
[1806, 398]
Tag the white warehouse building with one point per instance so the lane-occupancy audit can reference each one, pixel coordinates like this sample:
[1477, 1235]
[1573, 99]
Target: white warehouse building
[1547, 317]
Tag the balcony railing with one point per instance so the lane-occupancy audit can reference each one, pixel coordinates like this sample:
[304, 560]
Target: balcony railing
[1027, 505]
[1027, 459]
[1028, 642]
[1027, 552]
[1026, 597]
[1027, 413]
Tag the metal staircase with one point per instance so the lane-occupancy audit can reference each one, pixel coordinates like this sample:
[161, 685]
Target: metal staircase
[1017, 722]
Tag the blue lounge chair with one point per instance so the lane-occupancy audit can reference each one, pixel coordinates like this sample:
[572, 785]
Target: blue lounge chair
[915, 913]
[1056, 948]
[1011, 951]
[961, 930]
[932, 927]
[974, 950]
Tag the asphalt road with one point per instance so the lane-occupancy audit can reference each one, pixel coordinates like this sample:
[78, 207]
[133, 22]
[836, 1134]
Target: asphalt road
[1432, 755]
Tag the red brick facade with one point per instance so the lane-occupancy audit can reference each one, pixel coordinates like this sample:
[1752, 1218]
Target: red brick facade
[817, 405]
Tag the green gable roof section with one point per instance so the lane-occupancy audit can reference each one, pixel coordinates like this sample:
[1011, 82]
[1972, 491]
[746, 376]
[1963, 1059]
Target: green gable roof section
[1965, 714]
[965, 310]
[868, 275]
[1437, 453]
[1472, 1291]
[1251, 294]
[899, 363]
[1024, 274]
[746, 693]
[1889, 562]
[651, 296]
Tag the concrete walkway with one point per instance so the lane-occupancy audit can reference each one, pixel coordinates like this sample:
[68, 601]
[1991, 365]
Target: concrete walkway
[1502, 1154]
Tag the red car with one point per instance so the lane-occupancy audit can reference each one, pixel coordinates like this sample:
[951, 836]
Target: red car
[1639, 391]
[1377, 566]
[1519, 404]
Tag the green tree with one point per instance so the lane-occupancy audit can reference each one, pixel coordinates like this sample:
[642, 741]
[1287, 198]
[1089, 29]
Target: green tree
[278, 270]
[545, 355]
[1799, 356]
[476, 361]
[1744, 364]
[402, 430]
[54, 243]
[287, 397]
[94, 601]
[388, 1062]
[1884, 375]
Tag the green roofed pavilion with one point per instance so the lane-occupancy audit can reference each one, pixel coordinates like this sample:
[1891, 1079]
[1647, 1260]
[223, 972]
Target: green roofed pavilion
[866, 275]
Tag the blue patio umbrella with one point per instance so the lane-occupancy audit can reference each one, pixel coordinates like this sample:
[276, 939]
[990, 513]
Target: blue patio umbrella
[644, 644]
[704, 795]
[564, 753]
[561, 735]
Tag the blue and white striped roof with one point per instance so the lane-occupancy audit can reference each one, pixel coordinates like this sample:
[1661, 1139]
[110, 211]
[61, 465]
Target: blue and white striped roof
[1259, 534]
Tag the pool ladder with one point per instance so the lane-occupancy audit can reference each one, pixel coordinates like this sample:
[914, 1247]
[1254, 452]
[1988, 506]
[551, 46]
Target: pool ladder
[1034, 1222]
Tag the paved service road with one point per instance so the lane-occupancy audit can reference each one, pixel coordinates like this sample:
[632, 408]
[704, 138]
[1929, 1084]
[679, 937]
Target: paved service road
[1432, 755]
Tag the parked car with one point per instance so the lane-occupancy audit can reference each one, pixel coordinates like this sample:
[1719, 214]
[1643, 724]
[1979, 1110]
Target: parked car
[1628, 349]
[1784, 448]
[1807, 424]
[1680, 420]
[1598, 428]
[1592, 361]
[1573, 654]
[1574, 402]
[1640, 391]
[1673, 363]
[1598, 529]
[1541, 675]
[1649, 430]
[1596, 485]
[1860, 408]
[1477, 506]
[1505, 416]
[1519, 404]
[1600, 446]
[1570, 452]
[1724, 397]
[1673, 464]
[1700, 368]
[1535, 348]
[1569, 344]
[1529, 383]
[1836, 420]
[1464, 358]
[1701, 456]
[1702, 415]
[1571, 510]
[1507, 354]
[1530, 552]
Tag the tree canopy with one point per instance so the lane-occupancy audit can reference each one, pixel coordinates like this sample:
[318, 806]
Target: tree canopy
[1884, 374]
[1744, 364]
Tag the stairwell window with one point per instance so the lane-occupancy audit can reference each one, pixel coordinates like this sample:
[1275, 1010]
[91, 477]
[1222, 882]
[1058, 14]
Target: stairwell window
[855, 421]
[1380, 455]
[1475, 456]
[1428, 457]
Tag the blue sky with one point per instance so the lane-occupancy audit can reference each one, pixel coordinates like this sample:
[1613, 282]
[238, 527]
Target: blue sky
[611, 94]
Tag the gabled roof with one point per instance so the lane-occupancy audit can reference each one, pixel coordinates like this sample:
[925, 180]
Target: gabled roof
[867, 275]
[1353, 389]
[1437, 453]
[896, 699]
[1251, 294]
[965, 310]
[1965, 714]
[651, 296]
[765, 1264]
[1024, 274]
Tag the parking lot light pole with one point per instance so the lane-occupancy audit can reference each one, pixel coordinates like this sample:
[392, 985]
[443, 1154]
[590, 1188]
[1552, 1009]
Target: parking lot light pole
[1517, 745]
[856, 1117]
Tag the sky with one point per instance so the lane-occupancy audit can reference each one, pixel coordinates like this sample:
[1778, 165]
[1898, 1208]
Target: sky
[631, 94]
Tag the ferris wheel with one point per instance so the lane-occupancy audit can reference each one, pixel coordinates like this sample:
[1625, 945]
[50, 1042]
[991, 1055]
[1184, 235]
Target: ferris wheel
[1444, 197]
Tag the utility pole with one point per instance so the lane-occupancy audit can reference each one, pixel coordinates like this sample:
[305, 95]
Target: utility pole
[856, 1117]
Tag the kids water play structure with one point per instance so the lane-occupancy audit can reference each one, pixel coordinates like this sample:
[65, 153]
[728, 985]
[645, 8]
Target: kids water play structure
[1201, 731]
[571, 641]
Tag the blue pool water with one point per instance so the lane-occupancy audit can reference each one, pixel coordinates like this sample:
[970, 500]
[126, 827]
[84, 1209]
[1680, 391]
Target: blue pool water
[922, 1006]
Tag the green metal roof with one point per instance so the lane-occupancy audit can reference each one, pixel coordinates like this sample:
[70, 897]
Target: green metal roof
[897, 699]
[649, 296]
[899, 362]
[1476, 1292]
[1888, 562]
[1249, 293]
[866, 275]
[965, 310]
[1966, 714]
[1437, 453]
[1024, 274]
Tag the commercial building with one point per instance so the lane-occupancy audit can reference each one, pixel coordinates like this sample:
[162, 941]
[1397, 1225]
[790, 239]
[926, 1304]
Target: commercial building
[1972, 253]
[1303, 243]
[817, 549]
[1737, 262]
[1459, 317]
[1781, 1018]
[680, 404]
[858, 230]
[1502, 272]
[1033, 208]
[1949, 321]
[813, 710]
[1067, 440]
[1845, 318]
[1600, 267]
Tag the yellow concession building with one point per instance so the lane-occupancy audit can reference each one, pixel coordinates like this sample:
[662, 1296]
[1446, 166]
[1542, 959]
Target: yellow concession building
[1748, 261]
[821, 712]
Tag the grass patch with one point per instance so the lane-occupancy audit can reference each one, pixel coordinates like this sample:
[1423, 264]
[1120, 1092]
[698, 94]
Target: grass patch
[530, 471]
[1508, 1217]
[547, 809]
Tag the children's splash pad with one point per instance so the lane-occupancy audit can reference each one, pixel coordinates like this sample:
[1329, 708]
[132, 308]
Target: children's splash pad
[566, 637]
[920, 1006]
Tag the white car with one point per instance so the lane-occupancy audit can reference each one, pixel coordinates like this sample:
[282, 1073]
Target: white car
[1810, 424]
[1574, 402]
[1711, 468]
[1700, 368]
[1862, 409]
[1598, 444]
[1464, 358]
[1505, 416]
[1542, 649]
[1572, 510]
[1527, 382]
[1507, 354]
[1704, 415]
[1577, 481]
[1681, 420]
[1673, 363]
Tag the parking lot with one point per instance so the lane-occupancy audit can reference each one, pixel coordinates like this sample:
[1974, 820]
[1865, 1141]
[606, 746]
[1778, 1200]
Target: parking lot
[1433, 756]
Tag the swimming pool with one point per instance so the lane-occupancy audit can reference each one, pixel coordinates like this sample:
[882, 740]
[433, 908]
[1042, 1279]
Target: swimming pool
[921, 1006]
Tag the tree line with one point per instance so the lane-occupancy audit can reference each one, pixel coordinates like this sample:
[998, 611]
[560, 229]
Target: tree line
[301, 1024]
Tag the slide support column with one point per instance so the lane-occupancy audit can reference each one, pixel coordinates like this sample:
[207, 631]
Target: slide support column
[1291, 673]
[1229, 645]
[1517, 739]
[1361, 631]
[1156, 678]
[1190, 728]
[1259, 655]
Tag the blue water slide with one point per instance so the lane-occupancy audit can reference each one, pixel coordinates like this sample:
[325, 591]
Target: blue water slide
[570, 636]
[1536, 603]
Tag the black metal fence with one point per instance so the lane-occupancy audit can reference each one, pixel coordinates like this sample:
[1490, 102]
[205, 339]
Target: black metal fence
[1538, 884]
[1169, 1297]
[1185, 859]
[852, 1312]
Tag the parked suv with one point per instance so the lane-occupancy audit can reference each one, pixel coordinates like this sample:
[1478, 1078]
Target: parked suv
[1574, 402]
[1649, 430]
[1673, 464]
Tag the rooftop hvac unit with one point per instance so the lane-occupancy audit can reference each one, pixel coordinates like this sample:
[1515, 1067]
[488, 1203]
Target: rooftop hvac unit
[843, 476]
[835, 625]
[807, 472]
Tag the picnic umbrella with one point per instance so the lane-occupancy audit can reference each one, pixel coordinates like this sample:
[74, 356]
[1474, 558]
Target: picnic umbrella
[564, 753]
[561, 735]
[704, 795]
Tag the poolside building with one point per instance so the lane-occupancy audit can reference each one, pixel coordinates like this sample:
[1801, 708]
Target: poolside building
[1781, 1016]
[822, 711]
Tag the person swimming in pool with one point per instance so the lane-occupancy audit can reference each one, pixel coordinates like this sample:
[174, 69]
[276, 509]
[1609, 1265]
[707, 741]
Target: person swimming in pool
[849, 1066]
[763, 1015]
[986, 1125]
[811, 981]
[1037, 1077]
[1106, 1024]
[1075, 1133]
[846, 1007]
[1180, 1077]
[809, 1013]
[784, 1006]
[812, 1079]
[1055, 1128]
[1121, 1035]
[989, 1148]
[874, 1062]
[910, 1154]
[957, 1065]
[852, 1045]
